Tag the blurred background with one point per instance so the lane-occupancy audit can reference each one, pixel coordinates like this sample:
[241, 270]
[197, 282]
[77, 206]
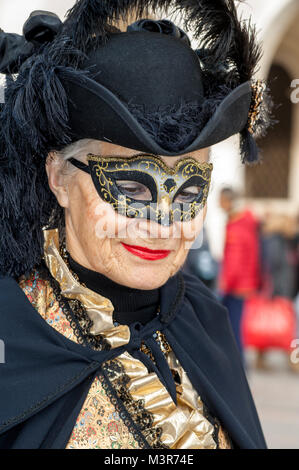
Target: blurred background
[250, 253]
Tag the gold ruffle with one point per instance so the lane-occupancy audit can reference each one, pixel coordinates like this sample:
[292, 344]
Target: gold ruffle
[183, 426]
[98, 308]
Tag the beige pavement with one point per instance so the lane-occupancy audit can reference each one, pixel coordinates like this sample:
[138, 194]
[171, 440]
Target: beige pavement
[276, 395]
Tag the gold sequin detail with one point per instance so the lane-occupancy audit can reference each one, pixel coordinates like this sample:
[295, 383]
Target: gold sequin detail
[223, 438]
[161, 340]
[258, 88]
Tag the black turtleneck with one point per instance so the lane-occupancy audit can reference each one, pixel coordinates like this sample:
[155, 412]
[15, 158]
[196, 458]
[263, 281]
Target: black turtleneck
[130, 305]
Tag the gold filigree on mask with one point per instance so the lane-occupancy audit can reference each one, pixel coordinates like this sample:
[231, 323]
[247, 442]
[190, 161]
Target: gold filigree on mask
[167, 183]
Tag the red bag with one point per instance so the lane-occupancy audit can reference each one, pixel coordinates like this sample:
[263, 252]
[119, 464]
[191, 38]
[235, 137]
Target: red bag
[268, 323]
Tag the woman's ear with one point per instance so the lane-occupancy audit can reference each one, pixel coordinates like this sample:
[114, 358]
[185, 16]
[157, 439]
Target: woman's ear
[57, 180]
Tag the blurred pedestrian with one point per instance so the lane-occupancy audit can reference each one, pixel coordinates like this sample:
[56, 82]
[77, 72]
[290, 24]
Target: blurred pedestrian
[277, 234]
[240, 272]
[201, 263]
[279, 285]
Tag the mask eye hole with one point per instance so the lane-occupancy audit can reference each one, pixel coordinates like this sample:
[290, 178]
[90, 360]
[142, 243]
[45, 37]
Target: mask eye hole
[189, 194]
[135, 190]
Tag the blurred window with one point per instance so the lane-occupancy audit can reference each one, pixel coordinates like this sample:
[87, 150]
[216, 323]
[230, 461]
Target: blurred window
[270, 179]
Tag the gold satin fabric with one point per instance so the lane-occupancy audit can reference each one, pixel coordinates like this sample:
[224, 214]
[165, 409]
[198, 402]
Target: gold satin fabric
[176, 427]
[183, 426]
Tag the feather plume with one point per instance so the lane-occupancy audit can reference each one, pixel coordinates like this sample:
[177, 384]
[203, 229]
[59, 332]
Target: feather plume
[228, 41]
[33, 122]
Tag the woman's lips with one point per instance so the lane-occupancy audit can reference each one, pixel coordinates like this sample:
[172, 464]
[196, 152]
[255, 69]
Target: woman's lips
[146, 253]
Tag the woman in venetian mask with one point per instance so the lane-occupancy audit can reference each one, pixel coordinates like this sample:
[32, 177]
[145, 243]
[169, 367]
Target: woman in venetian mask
[105, 173]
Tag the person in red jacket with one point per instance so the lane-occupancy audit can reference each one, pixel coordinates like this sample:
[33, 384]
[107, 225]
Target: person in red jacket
[240, 273]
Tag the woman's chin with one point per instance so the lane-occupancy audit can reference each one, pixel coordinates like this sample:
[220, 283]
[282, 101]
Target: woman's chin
[146, 278]
[145, 285]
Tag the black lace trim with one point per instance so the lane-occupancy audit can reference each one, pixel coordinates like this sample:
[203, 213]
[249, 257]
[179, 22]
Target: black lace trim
[123, 413]
[216, 425]
[142, 419]
[77, 316]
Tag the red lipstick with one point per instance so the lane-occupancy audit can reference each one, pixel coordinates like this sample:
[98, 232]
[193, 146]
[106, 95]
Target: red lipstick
[146, 253]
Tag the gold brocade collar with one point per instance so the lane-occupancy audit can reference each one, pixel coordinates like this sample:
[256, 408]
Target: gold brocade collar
[98, 308]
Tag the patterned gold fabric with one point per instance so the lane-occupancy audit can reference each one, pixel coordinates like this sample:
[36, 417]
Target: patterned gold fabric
[42, 297]
[100, 423]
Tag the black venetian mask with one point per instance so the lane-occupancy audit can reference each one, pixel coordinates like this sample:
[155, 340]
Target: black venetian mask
[143, 186]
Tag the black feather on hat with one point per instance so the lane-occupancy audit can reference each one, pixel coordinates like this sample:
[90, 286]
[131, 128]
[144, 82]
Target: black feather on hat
[145, 88]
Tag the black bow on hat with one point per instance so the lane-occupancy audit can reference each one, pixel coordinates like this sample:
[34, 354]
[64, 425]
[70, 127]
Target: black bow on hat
[40, 28]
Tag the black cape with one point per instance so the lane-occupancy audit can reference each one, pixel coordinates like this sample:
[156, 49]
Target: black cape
[45, 377]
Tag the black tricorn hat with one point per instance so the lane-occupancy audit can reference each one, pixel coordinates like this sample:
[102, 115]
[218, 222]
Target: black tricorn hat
[149, 72]
[144, 88]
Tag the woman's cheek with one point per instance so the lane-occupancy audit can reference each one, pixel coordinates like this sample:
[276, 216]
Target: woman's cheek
[192, 229]
[107, 223]
[179, 259]
[187, 232]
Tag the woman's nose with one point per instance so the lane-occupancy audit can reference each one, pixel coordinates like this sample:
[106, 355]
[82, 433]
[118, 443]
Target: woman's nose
[151, 229]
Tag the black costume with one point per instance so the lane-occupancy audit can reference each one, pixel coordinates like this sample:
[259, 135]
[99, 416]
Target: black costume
[45, 403]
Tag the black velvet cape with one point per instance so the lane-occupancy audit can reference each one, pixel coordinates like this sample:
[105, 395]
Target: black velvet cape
[45, 377]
